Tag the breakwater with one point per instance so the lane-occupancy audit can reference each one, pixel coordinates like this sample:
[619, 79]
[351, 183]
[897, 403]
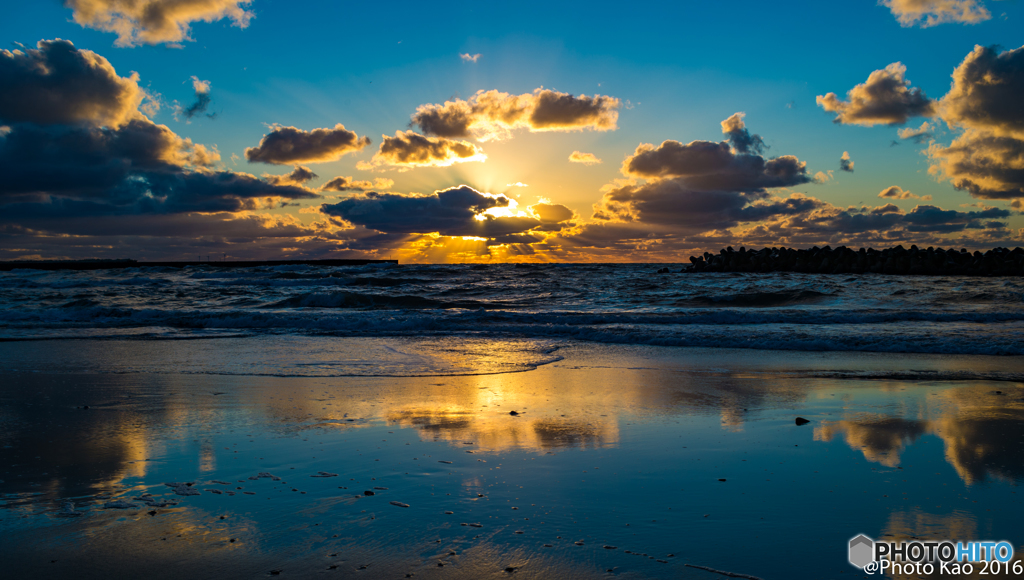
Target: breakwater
[844, 260]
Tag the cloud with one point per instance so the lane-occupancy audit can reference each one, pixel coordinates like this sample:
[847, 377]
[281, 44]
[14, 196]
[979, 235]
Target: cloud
[288, 145]
[927, 13]
[885, 99]
[845, 163]
[706, 194]
[342, 183]
[78, 147]
[710, 166]
[584, 158]
[55, 83]
[202, 89]
[986, 93]
[466, 57]
[918, 135]
[298, 176]
[138, 22]
[457, 211]
[410, 149]
[987, 166]
[672, 204]
[494, 115]
[552, 213]
[740, 138]
[517, 184]
[987, 158]
[896, 192]
[140, 168]
[824, 176]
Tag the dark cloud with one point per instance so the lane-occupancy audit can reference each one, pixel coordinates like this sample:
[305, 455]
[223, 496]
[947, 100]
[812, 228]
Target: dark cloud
[885, 99]
[56, 83]
[740, 138]
[987, 159]
[896, 192]
[493, 114]
[342, 183]
[987, 91]
[923, 224]
[298, 176]
[458, 211]
[726, 166]
[704, 165]
[96, 154]
[845, 163]
[84, 162]
[139, 22]
[704, 194]
[702, 186]
[410, 149]
[288, 145]
[202, 102]
[987, 166]
[552, 212]
[669, 203]
[927, 13]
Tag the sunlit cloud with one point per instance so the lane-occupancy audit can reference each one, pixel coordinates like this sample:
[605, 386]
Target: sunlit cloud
[927, 13]
[297, 176]
[920, 134]
[342, 183]
[494, 115]
[584, 158]
[896, 192]
[56, 83]
[987, 159]
[718, 166]
[466, 57]
[885, 99]
[845, 163]
[740, 138]
[457, 211]
[288, 145]
[138, 22]
[410, 149]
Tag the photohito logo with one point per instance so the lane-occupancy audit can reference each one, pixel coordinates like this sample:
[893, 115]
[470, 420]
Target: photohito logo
[943, 556]
[861, 551]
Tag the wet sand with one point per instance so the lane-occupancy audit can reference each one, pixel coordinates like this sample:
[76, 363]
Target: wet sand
[618, 461]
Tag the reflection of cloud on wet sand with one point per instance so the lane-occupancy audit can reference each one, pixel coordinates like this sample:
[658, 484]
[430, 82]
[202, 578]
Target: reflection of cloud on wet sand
[980, 426]
[983, 431]
[496, 433]
[880, 438]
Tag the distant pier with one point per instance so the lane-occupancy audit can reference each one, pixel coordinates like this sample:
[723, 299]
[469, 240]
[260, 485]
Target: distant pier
[120, 264]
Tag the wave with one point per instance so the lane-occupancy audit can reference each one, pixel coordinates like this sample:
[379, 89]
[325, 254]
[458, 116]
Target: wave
[345, 315]
[758, 299]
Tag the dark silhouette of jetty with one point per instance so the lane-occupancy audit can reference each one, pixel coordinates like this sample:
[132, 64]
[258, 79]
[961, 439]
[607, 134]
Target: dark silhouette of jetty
[116, 264]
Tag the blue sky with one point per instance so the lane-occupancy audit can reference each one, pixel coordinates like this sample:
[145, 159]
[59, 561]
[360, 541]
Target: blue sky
[677, 71]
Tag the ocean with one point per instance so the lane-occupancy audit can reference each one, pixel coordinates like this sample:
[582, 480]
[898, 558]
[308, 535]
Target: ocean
[606, 303]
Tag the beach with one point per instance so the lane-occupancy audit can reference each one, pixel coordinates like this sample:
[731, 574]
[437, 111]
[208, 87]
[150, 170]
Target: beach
[576, 460]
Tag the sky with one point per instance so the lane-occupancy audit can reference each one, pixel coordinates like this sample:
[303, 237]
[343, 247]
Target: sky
[540, 132]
